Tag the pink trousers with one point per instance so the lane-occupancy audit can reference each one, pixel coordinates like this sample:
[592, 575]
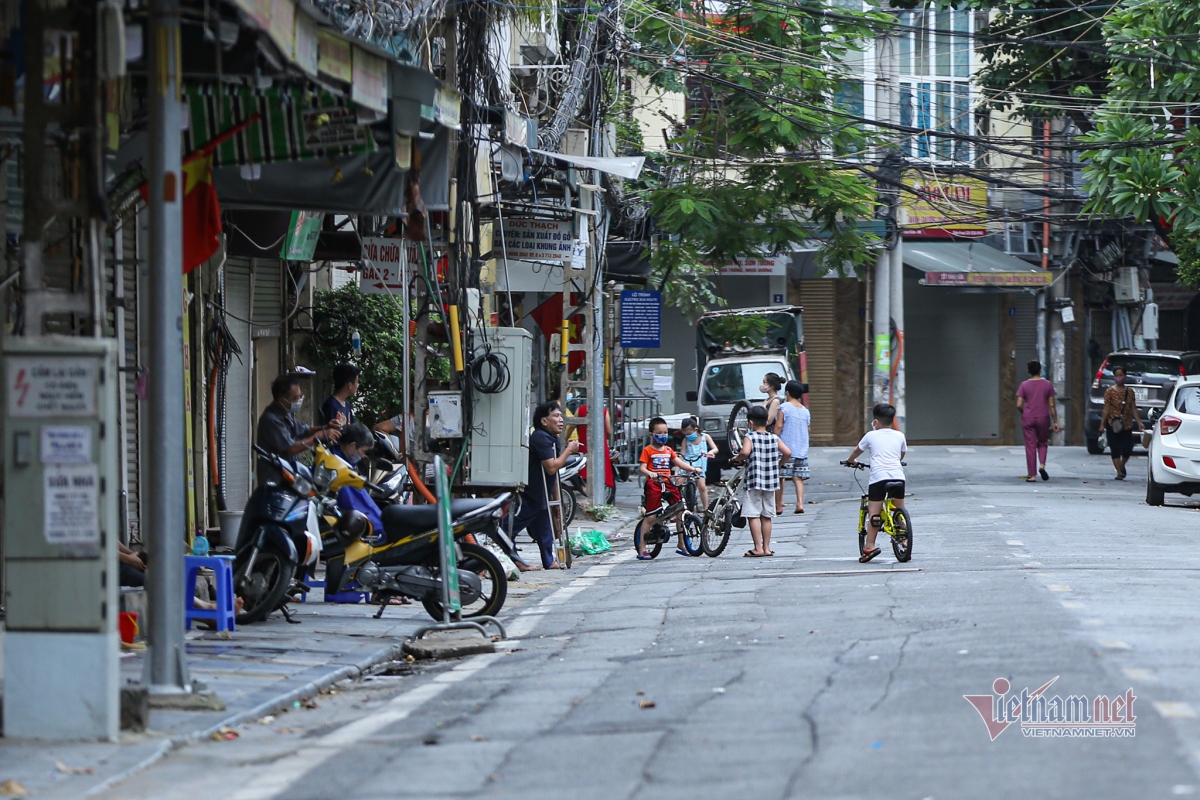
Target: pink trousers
[1037, 437]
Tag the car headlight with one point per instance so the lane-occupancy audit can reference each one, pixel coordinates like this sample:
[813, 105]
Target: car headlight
[712, 424]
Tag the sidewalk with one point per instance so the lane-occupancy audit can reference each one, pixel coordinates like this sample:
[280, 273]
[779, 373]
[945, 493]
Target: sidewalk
[260, 669]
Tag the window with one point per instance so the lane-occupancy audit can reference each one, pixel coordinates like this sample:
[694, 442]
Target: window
[729, 383]
[935, 83]
[1143, 366]
[1187, 400]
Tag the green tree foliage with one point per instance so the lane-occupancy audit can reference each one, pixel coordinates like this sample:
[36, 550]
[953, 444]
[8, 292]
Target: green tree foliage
[1147, 145]
[750, 172]
[377, 319]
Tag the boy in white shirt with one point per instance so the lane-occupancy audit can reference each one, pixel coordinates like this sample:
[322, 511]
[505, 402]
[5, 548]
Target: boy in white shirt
[888, 448]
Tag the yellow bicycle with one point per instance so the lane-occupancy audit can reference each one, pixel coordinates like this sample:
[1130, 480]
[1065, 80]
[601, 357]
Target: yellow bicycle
[896, 522]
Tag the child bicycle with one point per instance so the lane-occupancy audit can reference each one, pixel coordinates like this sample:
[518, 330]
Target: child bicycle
[723, 514]
[690, 524]
[895, 520]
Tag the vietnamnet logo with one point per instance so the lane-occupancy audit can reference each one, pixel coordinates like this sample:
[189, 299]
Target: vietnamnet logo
[1042, 716]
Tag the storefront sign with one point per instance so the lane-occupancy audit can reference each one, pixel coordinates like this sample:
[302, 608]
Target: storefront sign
[333, 126]
[1040, 278]
[57, 387]
[369, 87]
[776, 265]
[333, 57]
[306, 44]
[257, 10]
[385, 262]
[282, 28]
[447, 106]
[536, 239]
[943, 207]
[302, 235]
[641, 319]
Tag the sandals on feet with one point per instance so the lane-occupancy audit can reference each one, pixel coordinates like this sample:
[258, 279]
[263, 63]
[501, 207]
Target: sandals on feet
[1045, 475]
[867, 555]
[752, 554]
[645, 557]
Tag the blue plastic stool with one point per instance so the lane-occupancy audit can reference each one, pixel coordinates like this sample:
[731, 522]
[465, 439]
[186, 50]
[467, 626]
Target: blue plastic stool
[222, 567]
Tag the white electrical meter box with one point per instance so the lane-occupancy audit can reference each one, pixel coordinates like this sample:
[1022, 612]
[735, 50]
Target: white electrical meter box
[652, 377]
[1127, 288]
[60, 562]
[500, 433]
[445, 415]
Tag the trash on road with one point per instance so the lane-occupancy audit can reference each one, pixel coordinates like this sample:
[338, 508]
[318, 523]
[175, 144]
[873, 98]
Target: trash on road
[646, 704]
[588, 543]
[225, 734]
[11, 788]
[63, 768]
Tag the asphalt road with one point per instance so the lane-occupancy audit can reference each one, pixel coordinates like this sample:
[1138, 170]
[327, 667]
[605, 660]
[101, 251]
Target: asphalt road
[805, 675]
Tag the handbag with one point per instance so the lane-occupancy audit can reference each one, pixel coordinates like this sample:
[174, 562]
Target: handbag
[1117, 425]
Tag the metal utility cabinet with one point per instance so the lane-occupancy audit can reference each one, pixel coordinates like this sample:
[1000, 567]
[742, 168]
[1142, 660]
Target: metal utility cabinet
[500, 436]
[61, 528]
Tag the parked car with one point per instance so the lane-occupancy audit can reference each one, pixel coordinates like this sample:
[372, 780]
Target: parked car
[1175, 443]
[1150, 373]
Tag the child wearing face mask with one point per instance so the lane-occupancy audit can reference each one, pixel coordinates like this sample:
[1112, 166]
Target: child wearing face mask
[697, 447]
[655, 464]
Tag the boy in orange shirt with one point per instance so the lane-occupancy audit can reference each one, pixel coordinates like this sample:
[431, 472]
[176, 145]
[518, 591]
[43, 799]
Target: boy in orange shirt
[655, 464]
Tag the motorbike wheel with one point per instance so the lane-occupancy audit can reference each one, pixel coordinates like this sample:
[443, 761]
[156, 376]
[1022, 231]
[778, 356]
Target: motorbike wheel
[477, 559]
[569, 504]
[263, 589]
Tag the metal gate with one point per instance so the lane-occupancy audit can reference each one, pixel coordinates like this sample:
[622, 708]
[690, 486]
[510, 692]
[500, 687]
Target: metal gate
[631, 434]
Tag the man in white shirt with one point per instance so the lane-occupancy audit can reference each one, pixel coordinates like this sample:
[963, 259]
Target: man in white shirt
[887, 448]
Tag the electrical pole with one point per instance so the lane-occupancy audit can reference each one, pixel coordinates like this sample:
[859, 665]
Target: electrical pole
[164, 515]
[597, 475]
[897, 309]
[1058, 340]
[887, 109]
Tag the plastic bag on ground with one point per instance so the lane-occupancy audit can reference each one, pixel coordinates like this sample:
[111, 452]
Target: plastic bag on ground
[589, 543]
[510, 569]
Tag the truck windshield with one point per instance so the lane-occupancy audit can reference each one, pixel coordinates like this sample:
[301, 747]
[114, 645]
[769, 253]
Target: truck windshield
[729, 383]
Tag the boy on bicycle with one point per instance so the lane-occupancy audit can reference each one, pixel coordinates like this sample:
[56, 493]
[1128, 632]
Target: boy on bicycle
[655, 464]
[887, 447]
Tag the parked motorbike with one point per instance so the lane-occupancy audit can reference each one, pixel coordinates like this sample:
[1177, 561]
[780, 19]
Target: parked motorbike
[403, 558]
[571, 482]
[278, 538]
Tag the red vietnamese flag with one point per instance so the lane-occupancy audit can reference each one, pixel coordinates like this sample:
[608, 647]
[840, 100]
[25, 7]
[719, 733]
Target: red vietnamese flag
[201, 211]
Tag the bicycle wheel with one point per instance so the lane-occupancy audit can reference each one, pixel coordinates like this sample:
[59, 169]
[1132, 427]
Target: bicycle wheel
[691, 495]
[693, 533]
[717, 528]
[738, 426]
[654, 546]
[902, 541]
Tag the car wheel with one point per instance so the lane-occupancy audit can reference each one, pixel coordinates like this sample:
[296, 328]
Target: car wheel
[1093, 447]
[1154, 491]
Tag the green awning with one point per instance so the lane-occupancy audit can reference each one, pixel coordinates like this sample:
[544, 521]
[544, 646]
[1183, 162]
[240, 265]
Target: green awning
[293, 125]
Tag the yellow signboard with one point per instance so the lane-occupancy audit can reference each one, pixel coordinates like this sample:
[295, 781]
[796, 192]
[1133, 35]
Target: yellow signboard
[333, 57]
[943, 206]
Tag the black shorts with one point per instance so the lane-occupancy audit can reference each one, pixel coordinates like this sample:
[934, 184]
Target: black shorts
[1121, 444]
[877, 491]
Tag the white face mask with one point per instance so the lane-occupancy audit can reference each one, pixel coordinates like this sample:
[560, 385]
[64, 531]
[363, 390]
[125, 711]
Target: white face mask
[296, 406]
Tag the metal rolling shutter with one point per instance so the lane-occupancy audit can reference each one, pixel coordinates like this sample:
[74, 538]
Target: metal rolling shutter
[239, 416]
[1026, 332]
[268, 298]
[817, 296]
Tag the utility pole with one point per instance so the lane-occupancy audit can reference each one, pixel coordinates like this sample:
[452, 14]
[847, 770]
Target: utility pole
[887, 109]
[1058, 340]
[164, 514]
[897, 309]
[596, 399]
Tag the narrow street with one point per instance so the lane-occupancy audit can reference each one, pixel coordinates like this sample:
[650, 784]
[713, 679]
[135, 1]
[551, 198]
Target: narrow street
[807, 675]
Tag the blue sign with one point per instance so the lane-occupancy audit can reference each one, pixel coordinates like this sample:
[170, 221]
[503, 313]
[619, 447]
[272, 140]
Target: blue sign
[641, 319]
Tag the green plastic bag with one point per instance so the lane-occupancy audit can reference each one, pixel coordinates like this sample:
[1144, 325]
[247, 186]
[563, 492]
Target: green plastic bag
[588, 543]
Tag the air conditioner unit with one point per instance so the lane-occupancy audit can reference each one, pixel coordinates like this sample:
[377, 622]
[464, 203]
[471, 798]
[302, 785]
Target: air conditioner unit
[540, 47]
[1127, 288]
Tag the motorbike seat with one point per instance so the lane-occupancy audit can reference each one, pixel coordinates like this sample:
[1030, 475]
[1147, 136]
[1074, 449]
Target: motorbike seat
[398, 518]
[573, 461]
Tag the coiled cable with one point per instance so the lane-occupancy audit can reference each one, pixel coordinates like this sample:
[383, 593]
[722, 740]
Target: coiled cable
[489, 372]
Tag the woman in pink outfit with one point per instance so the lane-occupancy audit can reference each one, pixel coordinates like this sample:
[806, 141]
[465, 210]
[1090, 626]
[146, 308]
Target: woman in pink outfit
[1039, 415]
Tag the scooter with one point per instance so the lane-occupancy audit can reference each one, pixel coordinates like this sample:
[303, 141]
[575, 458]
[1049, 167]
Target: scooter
[403, 558]
[279, 537]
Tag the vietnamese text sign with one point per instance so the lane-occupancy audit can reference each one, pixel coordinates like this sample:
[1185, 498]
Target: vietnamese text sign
[536, 239]
[1039, 278]
[641, 319]
[946, 207]
[66, 444]
[303, 232]
[776, 265]
[53, 387]
[384, 262]
[70, 511]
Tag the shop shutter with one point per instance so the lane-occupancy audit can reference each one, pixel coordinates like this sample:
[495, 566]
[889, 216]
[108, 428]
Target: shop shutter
[818, 297]
[268, 298]
[239, 416]
[1026, 332]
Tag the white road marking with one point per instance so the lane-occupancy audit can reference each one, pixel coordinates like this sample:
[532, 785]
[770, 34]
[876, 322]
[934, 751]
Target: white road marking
[1059, 587]
[994, 516]
[1140, 674]
[1014, 543]
[1114, 644]
[275, 778]
[1175, 710]
[1072, 604]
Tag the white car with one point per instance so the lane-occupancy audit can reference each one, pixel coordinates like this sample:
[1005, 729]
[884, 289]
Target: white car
[1175, 444]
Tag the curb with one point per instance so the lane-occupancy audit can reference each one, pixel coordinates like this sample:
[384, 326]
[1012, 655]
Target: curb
[390, 653]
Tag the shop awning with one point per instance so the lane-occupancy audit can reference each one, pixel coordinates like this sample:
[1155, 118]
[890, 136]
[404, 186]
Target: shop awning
[972, 264]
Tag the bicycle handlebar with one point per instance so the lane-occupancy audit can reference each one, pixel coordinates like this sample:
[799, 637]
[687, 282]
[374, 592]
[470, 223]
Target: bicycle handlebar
[857, 465]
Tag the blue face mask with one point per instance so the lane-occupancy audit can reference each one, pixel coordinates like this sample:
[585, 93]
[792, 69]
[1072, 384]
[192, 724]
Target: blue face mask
[693, 437]
[660, 438]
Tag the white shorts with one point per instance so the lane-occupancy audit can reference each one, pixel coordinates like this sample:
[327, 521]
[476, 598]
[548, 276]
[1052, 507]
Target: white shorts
[758, 503]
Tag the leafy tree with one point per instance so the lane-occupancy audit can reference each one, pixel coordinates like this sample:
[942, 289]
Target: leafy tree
[750, 171]
[1147, 141]
[377, 318]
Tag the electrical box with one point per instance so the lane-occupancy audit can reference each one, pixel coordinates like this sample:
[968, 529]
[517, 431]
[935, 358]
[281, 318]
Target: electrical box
[445, 415]
[500, 434]
[1127, 288]
[60, 562]
[652, 377]
[1150, 321]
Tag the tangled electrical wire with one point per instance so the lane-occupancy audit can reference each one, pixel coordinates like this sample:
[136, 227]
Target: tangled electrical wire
[222, 349]
[382, 22]
[489, 372]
